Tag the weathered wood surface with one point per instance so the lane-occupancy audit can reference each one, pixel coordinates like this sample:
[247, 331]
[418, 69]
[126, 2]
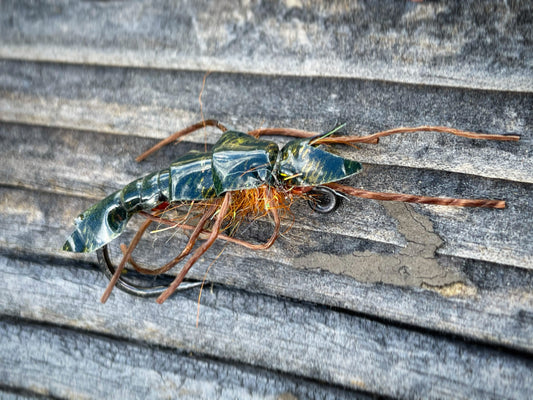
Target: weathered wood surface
[481, 45]
[376, 299]
[96, 360]
[262, 331]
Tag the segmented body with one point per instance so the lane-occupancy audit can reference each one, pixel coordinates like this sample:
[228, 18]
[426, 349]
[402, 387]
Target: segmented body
[237, 162]
[241, 176]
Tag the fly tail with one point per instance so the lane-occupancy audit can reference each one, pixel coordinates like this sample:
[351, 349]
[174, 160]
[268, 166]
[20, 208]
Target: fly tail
[98, 225]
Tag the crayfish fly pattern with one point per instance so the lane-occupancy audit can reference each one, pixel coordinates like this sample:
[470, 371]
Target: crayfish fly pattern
[242, 176]
[238, 162]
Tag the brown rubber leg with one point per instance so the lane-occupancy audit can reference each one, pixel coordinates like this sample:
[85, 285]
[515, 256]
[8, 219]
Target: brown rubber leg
[200, 251]
[374, 138]
[188, 247]
[125, 257]
[252, 246]
[179, 134]
[282, 132]
[411, 198]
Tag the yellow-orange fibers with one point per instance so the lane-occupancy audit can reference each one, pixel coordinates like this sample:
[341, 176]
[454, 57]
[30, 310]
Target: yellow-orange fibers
[257, 202]
[246, 205]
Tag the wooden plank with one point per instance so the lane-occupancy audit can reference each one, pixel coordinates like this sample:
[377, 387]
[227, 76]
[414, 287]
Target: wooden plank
[65, 363]
[53, 159]
[382, 298]
[266, 332]
[155, 103]
[486, 302]
[18, 394]
[484, 44]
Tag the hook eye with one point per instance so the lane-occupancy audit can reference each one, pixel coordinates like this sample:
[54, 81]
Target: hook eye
[107, 267]
[324, 200]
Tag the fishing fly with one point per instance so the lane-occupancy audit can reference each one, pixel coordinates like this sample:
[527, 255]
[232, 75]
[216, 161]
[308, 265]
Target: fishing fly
[242, 177]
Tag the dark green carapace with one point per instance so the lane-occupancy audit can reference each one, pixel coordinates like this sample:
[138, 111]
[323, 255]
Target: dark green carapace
[237, 162]
[302, 164]
[241, 161]
[191, 177]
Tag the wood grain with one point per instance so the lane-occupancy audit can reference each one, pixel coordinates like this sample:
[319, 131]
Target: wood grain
[271, 333]
[155, 103]
[484, 301]
[482, 45]
[94, 360]
[376, 299]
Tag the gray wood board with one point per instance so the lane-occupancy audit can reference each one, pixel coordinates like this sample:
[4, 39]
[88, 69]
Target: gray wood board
[146, 371]
[54, 158]
[486, 302]
[154, 103]
[377, 299]
[476, 44]
[265, 332]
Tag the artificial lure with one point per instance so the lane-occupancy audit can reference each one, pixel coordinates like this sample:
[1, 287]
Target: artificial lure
[241, 177]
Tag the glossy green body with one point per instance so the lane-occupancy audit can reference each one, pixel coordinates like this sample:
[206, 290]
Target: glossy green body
[237, 162]
[300, 164]
[242, 162]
